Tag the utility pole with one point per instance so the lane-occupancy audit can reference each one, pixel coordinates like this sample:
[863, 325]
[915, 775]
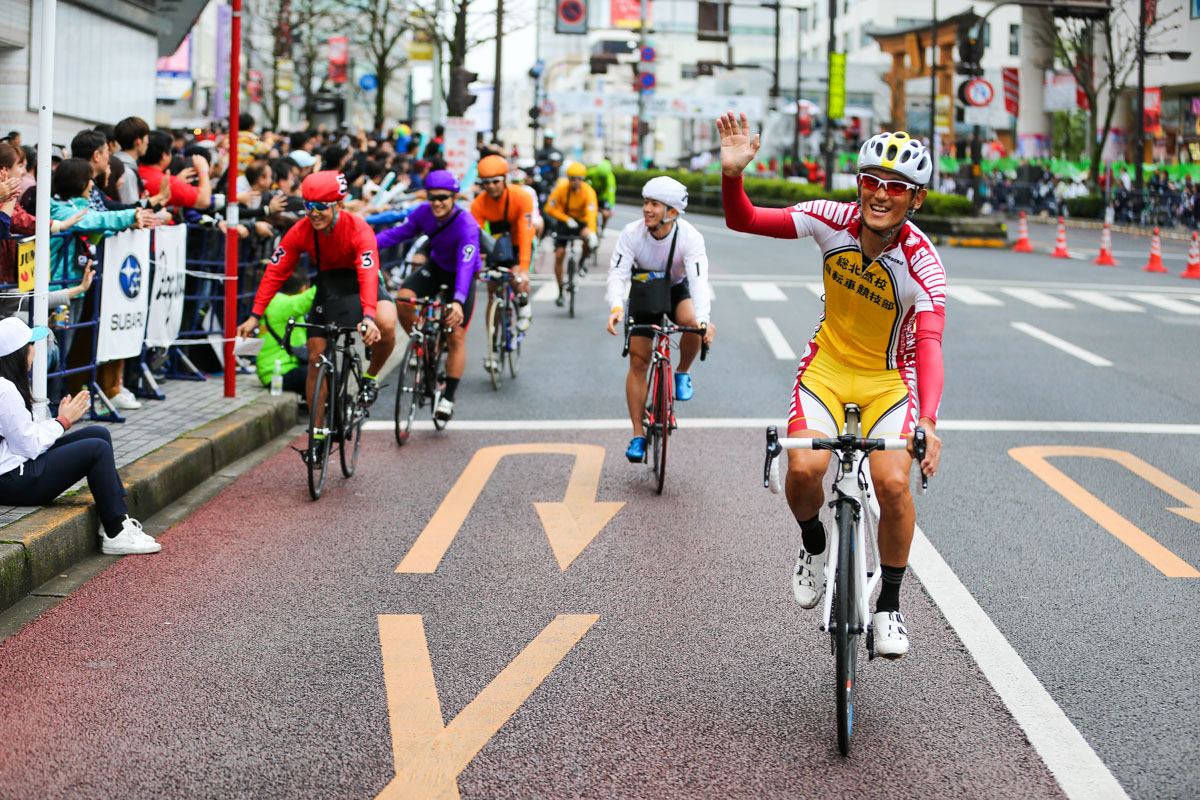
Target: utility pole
[775, 75]
[830, 145]
[1139, 124]
[796, 121]
[933, 148]
[435, 100]
[641, 108]
[496, 81]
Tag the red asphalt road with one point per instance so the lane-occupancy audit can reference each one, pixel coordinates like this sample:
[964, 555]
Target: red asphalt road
[244, 661]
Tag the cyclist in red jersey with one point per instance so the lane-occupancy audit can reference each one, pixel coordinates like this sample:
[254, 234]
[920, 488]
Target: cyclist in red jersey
[349, 291]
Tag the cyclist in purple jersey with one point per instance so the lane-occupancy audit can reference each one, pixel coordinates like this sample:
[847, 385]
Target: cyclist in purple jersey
[452, 260]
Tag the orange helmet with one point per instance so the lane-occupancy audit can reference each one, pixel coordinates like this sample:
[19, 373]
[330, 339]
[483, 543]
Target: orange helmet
[493, 167]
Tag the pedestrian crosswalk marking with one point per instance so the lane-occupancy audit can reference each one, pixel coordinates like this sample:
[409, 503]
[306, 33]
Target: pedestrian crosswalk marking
[764, 291]
[1037, 298]
[972, 297]
[547, 293]
[1101, 300]
[816, 288]
[1166, 303]
[775, 339]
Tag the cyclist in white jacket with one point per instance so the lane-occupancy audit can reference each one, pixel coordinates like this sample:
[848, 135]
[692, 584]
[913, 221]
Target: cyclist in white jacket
[660, 242]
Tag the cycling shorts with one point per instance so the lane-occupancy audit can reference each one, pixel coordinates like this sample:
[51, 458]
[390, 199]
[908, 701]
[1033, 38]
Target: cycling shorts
[428, 280]
[563, 232]
[679, 293]
[886, 397]
[337, 301]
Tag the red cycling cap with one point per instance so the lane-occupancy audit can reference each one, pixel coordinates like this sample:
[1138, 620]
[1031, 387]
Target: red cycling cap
[327, 186]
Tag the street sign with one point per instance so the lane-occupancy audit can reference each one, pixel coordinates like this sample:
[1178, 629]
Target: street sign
[571, 17]
[837, 85]
[538, 68]
[547, 108]
[646, 81]
[648, 54]
[978, 92]
[368, 82]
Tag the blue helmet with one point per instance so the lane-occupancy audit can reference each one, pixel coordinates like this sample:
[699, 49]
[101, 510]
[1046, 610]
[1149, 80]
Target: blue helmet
[442, 179]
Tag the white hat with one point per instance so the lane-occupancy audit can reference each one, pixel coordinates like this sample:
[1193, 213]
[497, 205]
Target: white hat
[15, 334]
[302, 158]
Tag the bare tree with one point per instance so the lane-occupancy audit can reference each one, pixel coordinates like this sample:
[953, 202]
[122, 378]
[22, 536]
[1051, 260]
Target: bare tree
[1105, 75]
[379, 34]
[313, 22]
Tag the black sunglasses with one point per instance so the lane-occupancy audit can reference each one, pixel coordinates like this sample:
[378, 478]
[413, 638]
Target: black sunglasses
[490, 181]
[440, 198]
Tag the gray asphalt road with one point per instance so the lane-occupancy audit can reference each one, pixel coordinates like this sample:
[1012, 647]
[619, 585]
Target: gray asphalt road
[248, 659]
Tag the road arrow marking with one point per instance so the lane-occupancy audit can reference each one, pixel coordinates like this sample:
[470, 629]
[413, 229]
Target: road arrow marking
[430, 754]
[1171, 565]
[570, 524]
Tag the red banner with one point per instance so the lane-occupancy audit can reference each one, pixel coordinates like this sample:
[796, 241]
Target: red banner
[339, 56]
[628, 14]
[1152, 110]
[1083, 67]
[1012, 89]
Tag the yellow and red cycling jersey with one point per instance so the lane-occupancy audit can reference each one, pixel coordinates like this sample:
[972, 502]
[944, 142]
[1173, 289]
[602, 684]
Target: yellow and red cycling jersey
[578, 204]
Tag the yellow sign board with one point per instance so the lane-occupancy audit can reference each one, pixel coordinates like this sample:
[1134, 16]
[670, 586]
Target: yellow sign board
[25, 266]
[837, 85]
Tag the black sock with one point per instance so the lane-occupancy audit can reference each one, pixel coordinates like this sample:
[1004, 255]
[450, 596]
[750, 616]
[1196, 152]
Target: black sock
[113, 527]
[889, 594]
[812, 532]
[451, 388]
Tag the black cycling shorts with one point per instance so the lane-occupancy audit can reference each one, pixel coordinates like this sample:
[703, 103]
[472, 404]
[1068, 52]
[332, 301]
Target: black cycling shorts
[428, 280]
[562, 233]
[337, 300]
[679, 293]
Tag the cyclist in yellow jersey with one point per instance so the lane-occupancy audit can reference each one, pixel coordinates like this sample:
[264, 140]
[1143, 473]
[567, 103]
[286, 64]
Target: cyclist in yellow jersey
[878, 345]
[572, 204]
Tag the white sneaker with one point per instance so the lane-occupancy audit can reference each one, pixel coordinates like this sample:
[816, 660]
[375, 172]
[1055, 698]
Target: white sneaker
[490, 365]
[808, 579]
[891, 634]
[524, 317]
[123, 402]
[445, 410]
[132, 540]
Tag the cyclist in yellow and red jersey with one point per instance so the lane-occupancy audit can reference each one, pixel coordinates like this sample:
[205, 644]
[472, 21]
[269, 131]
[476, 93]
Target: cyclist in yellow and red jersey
[573, 204]
[878, 344]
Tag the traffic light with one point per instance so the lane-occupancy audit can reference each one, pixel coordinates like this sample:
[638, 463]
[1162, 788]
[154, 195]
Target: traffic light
[970, 52]
[460, 97]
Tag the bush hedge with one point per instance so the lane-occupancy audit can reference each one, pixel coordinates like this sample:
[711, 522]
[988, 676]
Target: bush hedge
[783, 192]
[1086, 207]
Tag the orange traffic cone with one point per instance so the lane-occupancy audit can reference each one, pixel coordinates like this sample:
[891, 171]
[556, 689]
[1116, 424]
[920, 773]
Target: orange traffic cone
[1023, 244]
[1105, 259]
[1155, 263]
[1060, 244]
[1193, 265]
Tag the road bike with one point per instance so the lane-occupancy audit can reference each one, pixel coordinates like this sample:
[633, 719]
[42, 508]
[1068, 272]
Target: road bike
[337, 410]
[421, 376]
[658, 418]
[502, 331]
[849, 570]
[574, 245]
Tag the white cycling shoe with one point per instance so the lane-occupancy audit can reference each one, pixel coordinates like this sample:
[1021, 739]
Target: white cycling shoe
[891, 634]
[808, 579]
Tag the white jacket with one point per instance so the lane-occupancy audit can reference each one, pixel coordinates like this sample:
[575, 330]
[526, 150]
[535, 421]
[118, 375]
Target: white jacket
[24, 439]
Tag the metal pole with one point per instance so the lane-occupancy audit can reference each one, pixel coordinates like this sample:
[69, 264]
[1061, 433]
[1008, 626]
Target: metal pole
[231, 205]
[796, 121]
[1139, 124]
[435, 101]
[775, 74]
[641, 109]
[496, 81]
[933, 96]
[41, 246]
[537, 81]
[830, 145]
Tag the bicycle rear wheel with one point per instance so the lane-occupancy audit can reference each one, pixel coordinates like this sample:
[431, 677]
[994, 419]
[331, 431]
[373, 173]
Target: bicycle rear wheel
[436, 378]
[409, 386]
[662, 410]
[318, 464]
[351, 416]
[846, 625]
[495, 363]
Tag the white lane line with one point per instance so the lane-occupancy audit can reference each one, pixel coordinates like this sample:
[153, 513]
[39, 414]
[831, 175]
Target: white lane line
[775, 339]
[972, 297]
[546, 294]
[765, 292]
[816, 288]
[1037, 298]
[1064, 345]
[744, 423]
[1072, 761]
[1101, 300]
[1166, 303]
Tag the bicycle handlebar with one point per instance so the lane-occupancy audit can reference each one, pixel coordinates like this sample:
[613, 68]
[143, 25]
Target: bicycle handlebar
[332, 331]
[672, 328]
[841, 444]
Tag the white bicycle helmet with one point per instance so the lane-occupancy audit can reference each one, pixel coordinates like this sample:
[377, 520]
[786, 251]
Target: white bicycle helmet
[668, 191]
[899, 153]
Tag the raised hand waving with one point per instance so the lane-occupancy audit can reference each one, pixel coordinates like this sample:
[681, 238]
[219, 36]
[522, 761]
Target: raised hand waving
[738, 146]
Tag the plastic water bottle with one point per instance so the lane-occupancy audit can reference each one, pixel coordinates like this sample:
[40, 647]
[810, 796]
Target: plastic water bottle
[277, 379]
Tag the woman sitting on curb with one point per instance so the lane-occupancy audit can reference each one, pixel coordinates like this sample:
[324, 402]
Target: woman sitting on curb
[38, 462]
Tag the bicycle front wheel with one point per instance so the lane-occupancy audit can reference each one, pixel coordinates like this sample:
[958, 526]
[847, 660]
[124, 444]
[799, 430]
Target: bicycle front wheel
[513, 339]
[571, 270]
[496, 333]
[846, 625]
[351, 416]
[409, 385]
[436, 377]
[317, 456]
[662, 410]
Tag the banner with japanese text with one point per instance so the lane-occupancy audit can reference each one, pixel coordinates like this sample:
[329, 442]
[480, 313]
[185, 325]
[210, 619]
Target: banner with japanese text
[170, 274]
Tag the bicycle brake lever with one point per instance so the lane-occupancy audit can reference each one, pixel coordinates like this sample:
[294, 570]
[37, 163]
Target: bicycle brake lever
[919, 454]
[703, 344]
